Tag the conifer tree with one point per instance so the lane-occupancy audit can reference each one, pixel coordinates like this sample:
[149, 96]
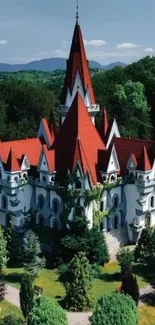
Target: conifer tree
[79, 290]
[26, 294]
[33, 263]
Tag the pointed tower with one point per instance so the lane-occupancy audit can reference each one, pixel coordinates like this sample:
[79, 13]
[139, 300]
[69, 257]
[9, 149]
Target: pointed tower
[77, 77]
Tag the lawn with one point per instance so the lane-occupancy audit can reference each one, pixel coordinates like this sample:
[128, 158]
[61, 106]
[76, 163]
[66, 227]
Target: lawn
[8, 309]
[146, 315]
[107, 282]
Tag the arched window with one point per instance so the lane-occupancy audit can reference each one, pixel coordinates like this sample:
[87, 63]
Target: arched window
[78, 185]
[4, 202]
[55, 205]
[115, 222]
[44, 179]
[41, 220]
[152, 202]
[112, 178]
[101, 206]
[116, 201]
[41, 201]
[8, 220]
[25, 175]
[147, 219]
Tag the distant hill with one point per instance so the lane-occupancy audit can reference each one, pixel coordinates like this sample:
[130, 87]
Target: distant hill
[51, 65]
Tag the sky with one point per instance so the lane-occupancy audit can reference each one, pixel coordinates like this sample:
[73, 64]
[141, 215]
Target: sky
[113, 30]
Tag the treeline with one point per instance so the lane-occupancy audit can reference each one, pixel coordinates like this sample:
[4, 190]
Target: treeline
[128, 93]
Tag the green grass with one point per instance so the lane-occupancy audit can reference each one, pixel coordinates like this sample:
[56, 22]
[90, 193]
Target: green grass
[8, 309]
[146, 315]
[107, 282]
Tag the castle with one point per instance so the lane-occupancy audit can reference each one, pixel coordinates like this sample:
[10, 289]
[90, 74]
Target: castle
[32, 169]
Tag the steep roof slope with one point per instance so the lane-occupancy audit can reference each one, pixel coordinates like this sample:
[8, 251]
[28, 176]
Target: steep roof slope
[78, 139]
[77, 62]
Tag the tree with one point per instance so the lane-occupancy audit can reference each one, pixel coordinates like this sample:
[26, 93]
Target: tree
[3, 262]
[131, 110]
[14, 245]
[26, 294]
[48, 312]
[130, 286]
[79, 288]
[125, 258]
[97, 247]
[115, 308]
[33, 264]
[141, 251]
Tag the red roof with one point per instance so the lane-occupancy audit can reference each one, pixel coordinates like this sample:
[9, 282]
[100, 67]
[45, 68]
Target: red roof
[30, 147]
[78, 139]
[124, 148]
[12, 164]
[50, 158]
[144, 162]
[48, 133]
[77, 62]
[79, 156]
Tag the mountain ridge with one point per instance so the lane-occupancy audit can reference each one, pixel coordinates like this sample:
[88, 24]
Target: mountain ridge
[52, 64]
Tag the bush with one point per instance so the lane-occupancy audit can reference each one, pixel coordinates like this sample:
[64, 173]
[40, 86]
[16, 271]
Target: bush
[115, 309]
[130, 286]
[10, 320]
[125, 259]
[46, 311]
[141, 251]
[79, 288]
[97, 249]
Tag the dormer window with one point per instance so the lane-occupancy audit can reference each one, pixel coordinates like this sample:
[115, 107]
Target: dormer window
[113, 178]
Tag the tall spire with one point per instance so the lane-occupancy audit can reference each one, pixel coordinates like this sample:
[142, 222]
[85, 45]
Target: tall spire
[77, 13]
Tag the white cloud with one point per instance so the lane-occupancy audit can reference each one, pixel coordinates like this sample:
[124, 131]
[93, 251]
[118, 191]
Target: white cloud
[3, 42]
[94, 42]
[127, 46]
[149, 50]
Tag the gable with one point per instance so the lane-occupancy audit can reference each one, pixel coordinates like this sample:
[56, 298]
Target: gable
[113, 132]
[25, 164]
[43, 166]
[44, 133]
[130, 163]
[113, 165]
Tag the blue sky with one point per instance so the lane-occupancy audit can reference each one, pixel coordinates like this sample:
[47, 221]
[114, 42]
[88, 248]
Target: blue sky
[113, 30]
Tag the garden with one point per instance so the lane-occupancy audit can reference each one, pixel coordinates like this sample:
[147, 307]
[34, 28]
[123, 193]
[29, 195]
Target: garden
[77, 276]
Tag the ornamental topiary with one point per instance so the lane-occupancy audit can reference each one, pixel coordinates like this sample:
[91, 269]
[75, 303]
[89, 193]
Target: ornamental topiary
[115, 309]
[46, 311]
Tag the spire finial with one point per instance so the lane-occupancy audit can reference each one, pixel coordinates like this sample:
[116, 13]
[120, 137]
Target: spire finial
[77, 12]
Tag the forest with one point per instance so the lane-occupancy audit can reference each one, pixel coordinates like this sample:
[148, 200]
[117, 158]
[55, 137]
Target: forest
[128, 93]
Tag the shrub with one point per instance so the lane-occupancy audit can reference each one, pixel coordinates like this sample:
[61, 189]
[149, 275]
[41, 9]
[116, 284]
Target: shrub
[125, 259]
[115, 309]
[10, 320]
[141, 251]
[79, 288]
[26, 294]
[130, 286]
[46, 311]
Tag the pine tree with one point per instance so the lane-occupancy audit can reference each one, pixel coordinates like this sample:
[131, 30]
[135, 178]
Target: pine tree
[3, 262]
[26, 294]
[33, 263]
[79, 290]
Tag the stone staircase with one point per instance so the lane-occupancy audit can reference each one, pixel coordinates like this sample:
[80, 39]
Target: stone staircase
[115, 239]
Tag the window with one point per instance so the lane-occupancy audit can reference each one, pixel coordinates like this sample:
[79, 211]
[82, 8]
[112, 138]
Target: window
[44, 179]
[52, 179]
[104, 178]
[147, 219]
[116, 201]
[55, 206]
[41, 220]
[4, 202]
[115, 222]
[152, 202]
[102, 206]
[78, 185]
[25, 175]
[41, 201]
[113, 178]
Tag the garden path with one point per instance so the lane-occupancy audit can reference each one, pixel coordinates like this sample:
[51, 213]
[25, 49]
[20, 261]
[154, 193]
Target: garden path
[12, 296]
